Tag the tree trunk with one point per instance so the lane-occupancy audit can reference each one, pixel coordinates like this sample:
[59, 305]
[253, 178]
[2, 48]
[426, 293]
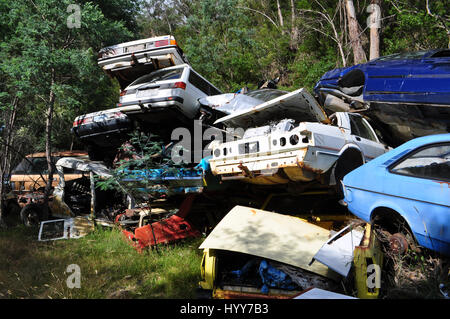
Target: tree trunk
[280, 16]
[294, 30]
[375, 24]
[48, 140]
[5, 165]
[358, 52]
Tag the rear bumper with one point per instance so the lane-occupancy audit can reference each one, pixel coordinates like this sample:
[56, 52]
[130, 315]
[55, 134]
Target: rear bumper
[149, 102]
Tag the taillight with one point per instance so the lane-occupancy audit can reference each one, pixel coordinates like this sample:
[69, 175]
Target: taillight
[123, 92]
[82, 121]
[179, 85]
[173, 42]
[161, 43]
[117, 114]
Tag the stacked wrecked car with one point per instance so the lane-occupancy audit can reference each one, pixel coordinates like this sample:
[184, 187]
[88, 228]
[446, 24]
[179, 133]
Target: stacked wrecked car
[279, 185]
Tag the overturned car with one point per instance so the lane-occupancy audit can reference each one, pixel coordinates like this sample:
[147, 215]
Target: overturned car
[408, 94]
[291, 139]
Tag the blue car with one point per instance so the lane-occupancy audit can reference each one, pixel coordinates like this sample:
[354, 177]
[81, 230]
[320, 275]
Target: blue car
[407, 93]
[409, 185]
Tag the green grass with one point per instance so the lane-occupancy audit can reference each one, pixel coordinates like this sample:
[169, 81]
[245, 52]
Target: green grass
[110, 267]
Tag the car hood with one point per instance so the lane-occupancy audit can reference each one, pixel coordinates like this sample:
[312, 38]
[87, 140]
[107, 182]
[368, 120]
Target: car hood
[298, 105]
[251, 231]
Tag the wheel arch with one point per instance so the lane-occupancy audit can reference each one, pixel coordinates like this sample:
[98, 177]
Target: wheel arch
[387, 216]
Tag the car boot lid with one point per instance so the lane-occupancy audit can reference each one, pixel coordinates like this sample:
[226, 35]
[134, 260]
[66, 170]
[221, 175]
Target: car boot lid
[130, 60]
[298, 105]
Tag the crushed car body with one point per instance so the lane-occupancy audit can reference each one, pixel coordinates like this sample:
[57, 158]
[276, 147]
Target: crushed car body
[406, 93]
[253, 253]
[103, 132]
[32, 172]
[406, 191]
[298, 142]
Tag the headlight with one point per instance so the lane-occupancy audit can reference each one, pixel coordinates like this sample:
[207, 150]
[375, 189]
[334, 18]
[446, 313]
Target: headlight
[217, 152]
[294, 139]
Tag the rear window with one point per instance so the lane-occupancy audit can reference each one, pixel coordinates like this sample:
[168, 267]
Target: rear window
[160, 75]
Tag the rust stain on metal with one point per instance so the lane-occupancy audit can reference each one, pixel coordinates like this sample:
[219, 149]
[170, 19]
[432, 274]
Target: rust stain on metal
[306, 167]
[442, 183]
[245, 170]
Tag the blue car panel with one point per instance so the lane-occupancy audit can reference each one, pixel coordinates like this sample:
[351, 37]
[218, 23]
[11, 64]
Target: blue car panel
[419, 77]
[423, 202]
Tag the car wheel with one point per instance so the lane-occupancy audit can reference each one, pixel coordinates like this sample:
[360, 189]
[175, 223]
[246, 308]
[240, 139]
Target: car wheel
[394, 231]
[12, 208]
[31, 215]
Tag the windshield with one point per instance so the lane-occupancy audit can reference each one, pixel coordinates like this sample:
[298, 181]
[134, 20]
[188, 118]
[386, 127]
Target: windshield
[159, 75]
[266, 94]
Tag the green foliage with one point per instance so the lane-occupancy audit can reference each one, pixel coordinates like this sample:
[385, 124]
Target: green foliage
[110, 267]
[138, 157]
[411, 28]
[40, 54]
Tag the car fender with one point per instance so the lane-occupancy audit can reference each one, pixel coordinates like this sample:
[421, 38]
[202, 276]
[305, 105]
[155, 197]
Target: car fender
[414, 222]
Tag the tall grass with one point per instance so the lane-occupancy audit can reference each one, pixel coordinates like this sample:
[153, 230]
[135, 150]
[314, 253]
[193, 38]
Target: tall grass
[110, 267]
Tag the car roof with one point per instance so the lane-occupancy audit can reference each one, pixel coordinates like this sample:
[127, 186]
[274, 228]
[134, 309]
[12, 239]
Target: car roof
[60, 154]
[424, 140]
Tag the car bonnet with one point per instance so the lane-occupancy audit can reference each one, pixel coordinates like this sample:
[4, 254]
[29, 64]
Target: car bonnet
[298, 105]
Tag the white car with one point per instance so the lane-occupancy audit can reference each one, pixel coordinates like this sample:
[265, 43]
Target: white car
[130, 60]
[291, 139]
[165, 96]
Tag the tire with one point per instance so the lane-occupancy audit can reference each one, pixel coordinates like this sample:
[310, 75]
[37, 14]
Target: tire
[12, 208]
[31, 215]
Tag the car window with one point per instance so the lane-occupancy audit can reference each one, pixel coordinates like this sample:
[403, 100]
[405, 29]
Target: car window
[404, 56]
[266, 94]
[431, 162]
[159, 75]
[36, 165]
[202, 85]
[361, 128]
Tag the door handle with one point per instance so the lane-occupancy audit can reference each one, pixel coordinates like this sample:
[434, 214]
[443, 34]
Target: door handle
[358, 138]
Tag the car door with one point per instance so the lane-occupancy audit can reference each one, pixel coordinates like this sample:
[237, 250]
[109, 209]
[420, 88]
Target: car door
[364, 136]
[420, 184]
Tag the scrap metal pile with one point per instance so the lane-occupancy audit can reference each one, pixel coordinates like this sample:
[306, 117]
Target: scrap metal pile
[311, 151]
